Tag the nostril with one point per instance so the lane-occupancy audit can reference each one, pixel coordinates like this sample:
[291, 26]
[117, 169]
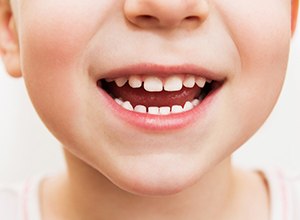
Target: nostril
[192, 21]
[193, 18]
[146, 18]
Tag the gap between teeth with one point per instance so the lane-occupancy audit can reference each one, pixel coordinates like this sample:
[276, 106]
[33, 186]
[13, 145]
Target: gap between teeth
[157, 84]
[154, 110]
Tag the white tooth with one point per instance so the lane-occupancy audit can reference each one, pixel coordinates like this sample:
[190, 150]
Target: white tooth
[153, 84]
[165, 110]
[173, 83]
[153, 110]
[109, 80]
[140, 108]
[195, 102]
[188, 106]
[121, 81]
[127, 106]
[119, 101]
[177, 109]
[189, 81]
[200, 81]
[135, 81]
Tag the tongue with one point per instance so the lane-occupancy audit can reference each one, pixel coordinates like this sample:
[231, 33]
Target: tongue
[140, 96]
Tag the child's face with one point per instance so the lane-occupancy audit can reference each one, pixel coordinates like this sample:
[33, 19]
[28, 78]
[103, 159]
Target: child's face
[67, 46]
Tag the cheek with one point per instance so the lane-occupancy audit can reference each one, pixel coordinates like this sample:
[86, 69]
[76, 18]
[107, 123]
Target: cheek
[58, 31]
[262, 39]
[264, 50]
[54, 35]
[260, 29]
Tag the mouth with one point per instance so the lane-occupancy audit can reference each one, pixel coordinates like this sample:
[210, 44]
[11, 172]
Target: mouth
[161, 94]
[158, 96]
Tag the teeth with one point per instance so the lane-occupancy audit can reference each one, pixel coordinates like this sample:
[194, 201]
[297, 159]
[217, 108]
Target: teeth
[173, 83]
[153, 84]
[188, 106]
[135, 81]
[189, 81]
[140, 108]
[165, 110]
[109, 80]
[195, 102]
[177, 109]
[153, 110]
[119, 101]
[121, 81]
[127, 105]
[200, 81]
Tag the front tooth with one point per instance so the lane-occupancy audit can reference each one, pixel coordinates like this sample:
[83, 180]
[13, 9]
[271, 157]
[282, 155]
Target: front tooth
[135, 81]
[153, 84]
[173, 83]
[165, 110]
[121, 81]
[140, 108]
[153, 110]
[189, 81]
[200, 81]
[188, 106]
[127, 105]
[177, 109]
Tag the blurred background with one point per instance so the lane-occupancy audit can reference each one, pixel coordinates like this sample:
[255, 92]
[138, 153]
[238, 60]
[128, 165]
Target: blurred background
[27, 148]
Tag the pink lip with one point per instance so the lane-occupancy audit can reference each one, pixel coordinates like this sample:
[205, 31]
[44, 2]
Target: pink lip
[162, 122]
[160, 70]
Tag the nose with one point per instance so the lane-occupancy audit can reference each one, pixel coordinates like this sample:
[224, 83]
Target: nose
[167, 14]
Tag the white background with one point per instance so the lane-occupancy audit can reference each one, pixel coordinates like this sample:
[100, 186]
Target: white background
[27, 148]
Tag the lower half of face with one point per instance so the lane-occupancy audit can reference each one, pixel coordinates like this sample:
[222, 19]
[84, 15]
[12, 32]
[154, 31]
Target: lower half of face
[153, 108]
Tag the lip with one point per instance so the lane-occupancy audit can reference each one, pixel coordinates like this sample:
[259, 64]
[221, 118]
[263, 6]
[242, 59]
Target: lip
[163, 71]
[162, 122]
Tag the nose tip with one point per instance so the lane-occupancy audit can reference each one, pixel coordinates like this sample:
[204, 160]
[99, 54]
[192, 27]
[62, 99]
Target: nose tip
[167, 14]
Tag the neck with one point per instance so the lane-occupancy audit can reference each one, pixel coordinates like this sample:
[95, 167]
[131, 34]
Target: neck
[83, 187]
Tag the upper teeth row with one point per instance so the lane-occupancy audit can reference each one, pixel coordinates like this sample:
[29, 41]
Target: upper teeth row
[157, 84]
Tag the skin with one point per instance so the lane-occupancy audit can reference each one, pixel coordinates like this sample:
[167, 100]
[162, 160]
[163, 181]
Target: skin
[54, 45]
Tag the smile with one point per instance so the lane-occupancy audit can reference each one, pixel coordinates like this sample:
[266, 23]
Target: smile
[157, 97]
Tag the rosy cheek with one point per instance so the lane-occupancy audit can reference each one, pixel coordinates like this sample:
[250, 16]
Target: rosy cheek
[60, 30]
[56, 33]
[52, 42]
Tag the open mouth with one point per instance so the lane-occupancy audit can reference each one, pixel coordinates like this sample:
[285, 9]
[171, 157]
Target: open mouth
[156, 95]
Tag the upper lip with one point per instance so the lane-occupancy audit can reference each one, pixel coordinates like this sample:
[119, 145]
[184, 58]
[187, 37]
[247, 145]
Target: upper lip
[163, 71]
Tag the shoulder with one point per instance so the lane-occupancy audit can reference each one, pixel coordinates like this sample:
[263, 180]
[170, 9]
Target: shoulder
[284, 190]
[21, 201]
[10, 201]
[285, 182]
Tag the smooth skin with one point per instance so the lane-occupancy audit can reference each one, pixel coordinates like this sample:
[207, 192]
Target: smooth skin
[115, 170]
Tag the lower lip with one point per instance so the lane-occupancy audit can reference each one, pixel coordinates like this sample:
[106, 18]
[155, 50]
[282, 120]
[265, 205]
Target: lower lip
[161, 122]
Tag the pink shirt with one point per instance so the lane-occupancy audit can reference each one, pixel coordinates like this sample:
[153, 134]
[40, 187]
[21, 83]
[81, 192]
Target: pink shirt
[21, 202]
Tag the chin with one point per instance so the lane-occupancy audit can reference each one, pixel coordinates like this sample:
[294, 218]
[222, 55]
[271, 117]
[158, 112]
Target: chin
[156, 175]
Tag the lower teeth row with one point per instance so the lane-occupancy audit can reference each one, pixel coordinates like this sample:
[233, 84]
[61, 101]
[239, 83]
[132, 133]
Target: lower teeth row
[154, 110]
